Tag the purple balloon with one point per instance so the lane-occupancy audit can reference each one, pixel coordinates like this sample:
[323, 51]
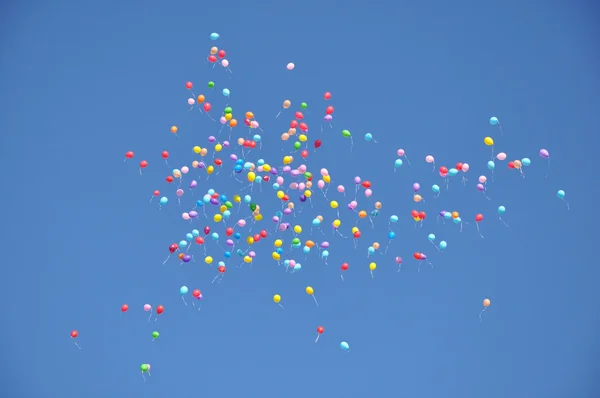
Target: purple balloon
[201, 165]
[214, 201]
[226, 144]
[480, 187]
[193, 184]
[193, 214]
[229, 242]
[275, 219]
[398, 260]
[252, 254]
[324, 245]
[423, 256]
[328, 118]
[544, 153]
[233, 156]
[357, 180]
[273, 171]
[212, 138]
[186, 258]
[295, 173]
[302, 198]
[287, 210]
[287, 169]
[416, 186]
[442, 213]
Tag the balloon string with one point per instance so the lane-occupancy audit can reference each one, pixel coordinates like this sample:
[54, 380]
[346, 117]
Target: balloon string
[314, 298]
[77, 345]
[342, 276]
[281, 306]
[317, 339]
[150, 316]
[479, 230]
[481, 313]
[183, 299]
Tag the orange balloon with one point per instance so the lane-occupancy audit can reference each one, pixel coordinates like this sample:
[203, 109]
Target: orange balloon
[309, 243]
[200, 99]
[455, 214]
[486, 302]
[375, 245]
[249, 115]
[378, 205]
[362, 214]
[291, 131]
[286, 104]
[232, 123]
[180, 255]
[174, 129]
[240, 141]
[417, 198]
[285, 136]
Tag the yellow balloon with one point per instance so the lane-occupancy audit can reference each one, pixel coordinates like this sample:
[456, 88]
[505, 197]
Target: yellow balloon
[266, 168]
[302, 138]
[237, 198]
[222, 208]
[251, 176]
[310, 290]
[217, 217]
[333, 204]
[327, 178]
[337, 223]
[354, 230]
[276, 256]
[416, 219]
[372, 266]
[249, 240]
[280, 194]
[208, 259]
[210, 169]
[488, 141]
[287, 159]
[307, 193]
[258, 217]
[228, 116]
[197, 149]
[278, 243]
[277, 298]
[247, 259]
[297, 229]
[218, 147]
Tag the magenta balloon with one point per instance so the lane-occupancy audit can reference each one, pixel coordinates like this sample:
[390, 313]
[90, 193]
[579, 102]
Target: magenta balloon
[480, 187]
[398, 260]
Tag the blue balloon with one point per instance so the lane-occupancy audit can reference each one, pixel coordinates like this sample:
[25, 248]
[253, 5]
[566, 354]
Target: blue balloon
[214, 36]
[344, 346]
[227, 254]
[494, 121]
[443, 245]
[279, 250]
[237, 236]
[391, 234]
[183, 290]
[199, 203]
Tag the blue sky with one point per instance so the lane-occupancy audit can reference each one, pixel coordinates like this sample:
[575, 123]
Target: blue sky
[83, 82]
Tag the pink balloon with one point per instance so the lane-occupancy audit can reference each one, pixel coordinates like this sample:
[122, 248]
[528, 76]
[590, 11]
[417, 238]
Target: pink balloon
[279, 180]
[341, 188]
[501, 156]
[191, 101]
[324, 172]
[368, 193]
[293, 185]
[147, 307]
[225, 63]
[185, 216]
[301, 186]
[400, 152]
[223, 120]
[302, 168]
[291, 66]
[465, 167]
[179, 192]
[241, 223]
[321, 184]
[429, 159]
[482, 179]
[185, 169]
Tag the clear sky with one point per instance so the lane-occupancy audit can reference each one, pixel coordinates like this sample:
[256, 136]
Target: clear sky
[82, 82]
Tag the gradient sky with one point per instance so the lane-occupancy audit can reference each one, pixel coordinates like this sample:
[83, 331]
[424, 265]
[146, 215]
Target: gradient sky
[84, 81]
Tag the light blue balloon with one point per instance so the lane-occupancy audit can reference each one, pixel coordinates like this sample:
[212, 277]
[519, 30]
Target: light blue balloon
[211, 192]
[324, 254]
[561, 194]
[183, 244]
[371, 250]
[258, 179]
[257, 138]
[398, 163]
[164, 200]
[306, 249]
[221, 263]
[435, 188]
[297, 246]
[183, 290]
[247, 165]
[431, 237]
[226, 214]
[215, 236]
[214, 36]
[226, 92]
[526, 161]
[276, 186]
[453, 172]
[297, 267]
[391, 235]
[443, 245]
[189, 236]
[394, 218]
[344, 346]
[501, 209]
[206, 199]
[286, 263]
[368, 137]
[259, 162]
[491, 165]
[447, 215]
[195, 232]
[316, 222]
[456, 220]
[247, 199]
[494, 120]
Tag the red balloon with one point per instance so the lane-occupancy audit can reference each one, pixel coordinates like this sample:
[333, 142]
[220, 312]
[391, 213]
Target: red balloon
[303, 126]
[252, 144]
[366, 184]
[285, 198]
[414, 213]
[247, 122]
[422, 215]
[207, 106]
[443, 170]
[144, 164]
[329, 110]
[417, 256]
[320, 329]
[215, 195]
[222, 269]
[247, 143]
[229, 231]
[128, 154]
[199, 240]
[188, 85]
[299, 115]
[293, 124]
[206, 230]
[304, 154]
[169, 179]
[124, 308]
[196, 293]
[344, 266]
[511, 165]
[357, 234]
[165, 154]
[218, 162]
[256, 237]
[212, 58]
[74, 334]
[156, 193]
[479, 217]
[266, 178]
[221, 54]
[263, 233]
[173, 248]
[317, 143]
[458, 166]
[327, 95]
[160, 309]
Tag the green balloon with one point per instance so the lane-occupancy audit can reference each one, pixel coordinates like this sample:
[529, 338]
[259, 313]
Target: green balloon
[252, 206]
[211, 84]
[228, 204]
[307, 175]
[346, 133]
[296, 241]
[155, 335]
[144, 367]
[304, 105]
[228, 110]
[297, 145]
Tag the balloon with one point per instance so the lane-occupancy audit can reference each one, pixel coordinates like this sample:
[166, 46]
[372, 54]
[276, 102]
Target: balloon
[291, 66]
[277, 298]
[214, 36]
[147, 307]
[544, 153]
[486, 302]
[494, 121]
[561, 194]
[429, 159]
[344, 346]
[309, 290]
[488, 141]
[501, 156]
[124, 308]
